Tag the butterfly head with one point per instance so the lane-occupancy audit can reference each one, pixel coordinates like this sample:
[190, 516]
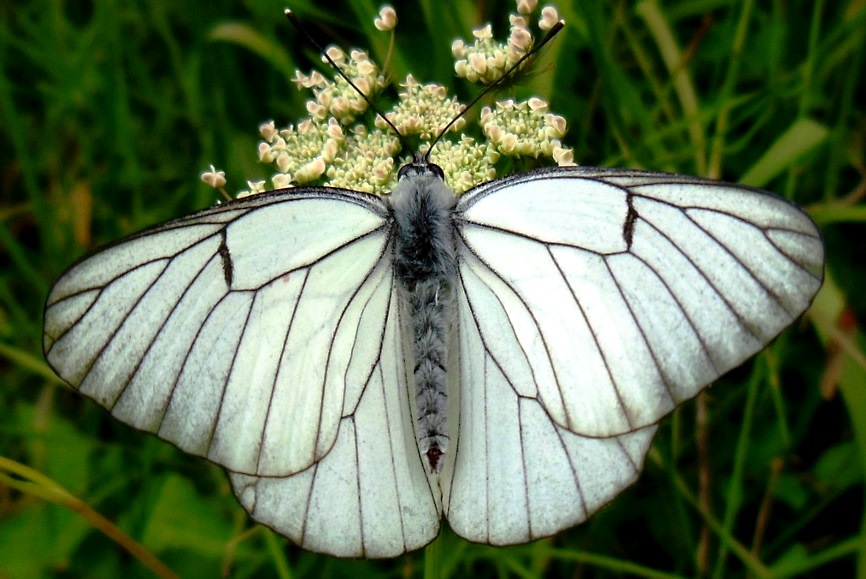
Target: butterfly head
[420, 166]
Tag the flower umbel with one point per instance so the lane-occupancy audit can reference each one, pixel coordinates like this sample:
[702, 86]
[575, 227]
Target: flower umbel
[335, 98]
[367, 162]
[322, 150]
[301, 153]
[487, 60]
[525, 129]
[423, 110]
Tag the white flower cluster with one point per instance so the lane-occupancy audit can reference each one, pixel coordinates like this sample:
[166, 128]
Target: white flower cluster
[423, 110]
[487, 60]
[322, 150]
[465, 163]
[335, 98]
[366, 162]
[301, 153]
[526, 129]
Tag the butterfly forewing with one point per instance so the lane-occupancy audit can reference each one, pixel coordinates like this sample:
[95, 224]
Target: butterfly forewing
[223, 332]
[620, 323]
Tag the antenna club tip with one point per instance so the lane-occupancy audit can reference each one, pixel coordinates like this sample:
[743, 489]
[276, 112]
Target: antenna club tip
[290, 14]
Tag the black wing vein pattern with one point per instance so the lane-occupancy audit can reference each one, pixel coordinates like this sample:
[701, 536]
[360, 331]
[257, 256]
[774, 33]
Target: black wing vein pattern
[370, 495]
[511, 481]
[658, 366]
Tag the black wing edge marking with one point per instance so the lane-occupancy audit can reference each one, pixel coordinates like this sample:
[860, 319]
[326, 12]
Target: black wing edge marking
[228, 268]
[630, 218]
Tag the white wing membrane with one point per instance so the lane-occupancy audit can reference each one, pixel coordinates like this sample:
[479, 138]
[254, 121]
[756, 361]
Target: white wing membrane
[229, 333]
[550, 213]
[676, 281]
[369, 496]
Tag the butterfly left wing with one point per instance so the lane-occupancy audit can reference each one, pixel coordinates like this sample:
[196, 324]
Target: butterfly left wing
[616, 295]
[370, 496]
[235, 333]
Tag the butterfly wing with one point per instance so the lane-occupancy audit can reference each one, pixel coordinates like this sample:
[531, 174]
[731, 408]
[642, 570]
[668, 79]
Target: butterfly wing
[624, 293]
[370, 496]
[591, 302]
[237, 332]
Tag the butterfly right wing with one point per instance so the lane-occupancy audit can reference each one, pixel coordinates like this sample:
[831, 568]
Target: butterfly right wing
[616, 295]
[234, 332]
[590, 303]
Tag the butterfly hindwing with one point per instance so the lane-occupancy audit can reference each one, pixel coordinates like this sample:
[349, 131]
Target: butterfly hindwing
[515, 475]
[370, 495]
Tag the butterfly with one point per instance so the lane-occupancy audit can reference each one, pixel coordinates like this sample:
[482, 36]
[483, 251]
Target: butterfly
[364, 367]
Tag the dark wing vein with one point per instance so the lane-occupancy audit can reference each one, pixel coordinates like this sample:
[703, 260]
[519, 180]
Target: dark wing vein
[599, 349]
[526, 308]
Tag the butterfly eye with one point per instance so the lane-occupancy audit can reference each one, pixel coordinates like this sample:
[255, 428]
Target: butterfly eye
[421, 168]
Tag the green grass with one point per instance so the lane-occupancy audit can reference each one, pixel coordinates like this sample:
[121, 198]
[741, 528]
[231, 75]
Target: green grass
[109, 111]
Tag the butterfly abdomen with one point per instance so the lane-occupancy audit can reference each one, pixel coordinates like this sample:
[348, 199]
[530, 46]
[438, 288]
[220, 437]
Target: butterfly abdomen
[425, 267]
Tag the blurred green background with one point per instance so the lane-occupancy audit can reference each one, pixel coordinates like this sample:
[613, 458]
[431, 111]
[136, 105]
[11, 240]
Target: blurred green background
[110, 110]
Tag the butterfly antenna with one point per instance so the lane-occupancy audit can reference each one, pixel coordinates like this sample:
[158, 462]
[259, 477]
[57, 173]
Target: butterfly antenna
[547, 38]
[297, 24]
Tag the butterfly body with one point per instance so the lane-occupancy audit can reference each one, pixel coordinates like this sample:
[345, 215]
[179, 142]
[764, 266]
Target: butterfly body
[365, 368]
[425, 265]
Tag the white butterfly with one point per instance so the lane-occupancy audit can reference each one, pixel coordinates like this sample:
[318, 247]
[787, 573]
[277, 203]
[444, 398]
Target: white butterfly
[358, 394]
